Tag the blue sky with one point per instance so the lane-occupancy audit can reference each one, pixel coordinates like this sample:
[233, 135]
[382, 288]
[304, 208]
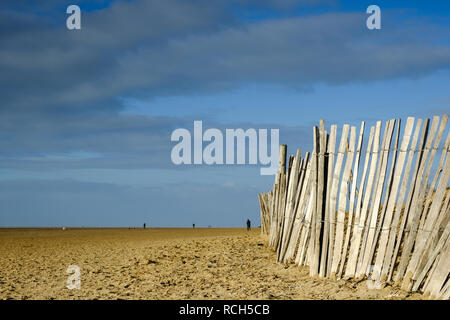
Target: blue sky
[86, 115]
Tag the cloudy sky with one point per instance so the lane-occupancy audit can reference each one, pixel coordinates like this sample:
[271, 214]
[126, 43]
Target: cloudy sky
[86, 115]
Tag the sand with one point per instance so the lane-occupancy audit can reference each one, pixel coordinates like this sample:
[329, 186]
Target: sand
[160, 264]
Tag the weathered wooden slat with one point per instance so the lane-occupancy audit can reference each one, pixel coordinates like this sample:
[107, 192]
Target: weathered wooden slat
[265, 212]
[334, 192]
[319, 196]
[282, 195]
[373, 227]
[313, 239]
[431, 259]
[331, 149]
[281, 209]
[271, 208]
[375, 244]
[269, 203]
[292, 242]
[382, 208]
[433, 268]
[342, 204]
[267, 215]
[282, 158]
[304, 215]
[299, 215]
[440, 274]
[286, 207]
[273, 213]
[290, 203]
[444, 294]
[372, 219]
[351, 211]
[280, 182]
[304, 253]
[351, 264]
[354, 249]
[277, 208]
[291, 162]
[261, 206]
[306, 229]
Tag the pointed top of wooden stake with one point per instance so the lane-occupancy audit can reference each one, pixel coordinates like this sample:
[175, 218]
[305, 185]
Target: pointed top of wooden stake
[322, 124]
[282, 158]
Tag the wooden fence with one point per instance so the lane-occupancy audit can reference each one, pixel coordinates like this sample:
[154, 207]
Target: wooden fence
[385, 219]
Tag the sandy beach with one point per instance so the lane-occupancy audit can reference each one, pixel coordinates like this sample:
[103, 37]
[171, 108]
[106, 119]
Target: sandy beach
[160, 264]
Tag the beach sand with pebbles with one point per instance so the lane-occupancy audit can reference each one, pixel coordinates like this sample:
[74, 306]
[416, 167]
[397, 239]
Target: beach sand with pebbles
[160, 264]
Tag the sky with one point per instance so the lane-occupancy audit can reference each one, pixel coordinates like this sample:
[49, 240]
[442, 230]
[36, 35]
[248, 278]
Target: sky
[86, 116]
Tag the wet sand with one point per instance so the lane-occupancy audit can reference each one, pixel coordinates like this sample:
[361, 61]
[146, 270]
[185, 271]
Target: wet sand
[160, 264]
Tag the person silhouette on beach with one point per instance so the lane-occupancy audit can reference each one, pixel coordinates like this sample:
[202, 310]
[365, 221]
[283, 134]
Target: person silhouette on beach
[193, 226]
[248, 225]
[144, 225]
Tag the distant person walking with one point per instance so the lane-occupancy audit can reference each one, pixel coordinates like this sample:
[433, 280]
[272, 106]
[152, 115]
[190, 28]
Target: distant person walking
[193, 226]
[249, 224]
[144, 225]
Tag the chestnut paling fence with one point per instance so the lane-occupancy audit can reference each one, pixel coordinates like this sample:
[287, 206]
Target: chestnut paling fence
[377, 209]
